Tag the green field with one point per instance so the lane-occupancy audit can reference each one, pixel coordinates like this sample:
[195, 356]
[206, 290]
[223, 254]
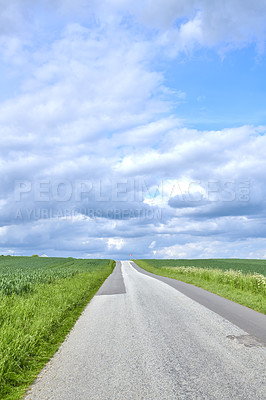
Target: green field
[235, 264]
[40, 300]
[242, 281]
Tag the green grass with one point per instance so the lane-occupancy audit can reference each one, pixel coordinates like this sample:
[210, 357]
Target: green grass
[242, 281]
[235, 264]
[40, 300]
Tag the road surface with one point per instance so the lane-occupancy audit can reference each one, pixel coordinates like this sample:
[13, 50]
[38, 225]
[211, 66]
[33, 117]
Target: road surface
[140, 338]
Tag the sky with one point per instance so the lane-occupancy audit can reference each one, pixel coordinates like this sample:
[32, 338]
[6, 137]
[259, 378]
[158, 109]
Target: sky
[133, 128]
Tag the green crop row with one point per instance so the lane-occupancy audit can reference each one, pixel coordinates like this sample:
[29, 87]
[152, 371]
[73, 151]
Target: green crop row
[20, 282]
[19, 275]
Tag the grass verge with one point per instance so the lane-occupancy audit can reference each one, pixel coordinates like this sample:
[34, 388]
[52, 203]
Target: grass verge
[246, 289]
[35, 323]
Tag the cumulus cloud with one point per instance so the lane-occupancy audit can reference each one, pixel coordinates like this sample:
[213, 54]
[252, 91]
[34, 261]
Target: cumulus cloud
[202, 153]
[88, 122]
[183, 23]
[226, 205]
[202, 249]
[187, 24]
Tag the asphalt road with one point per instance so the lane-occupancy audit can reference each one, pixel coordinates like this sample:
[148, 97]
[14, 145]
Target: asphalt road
[249, 320]
[140, 338]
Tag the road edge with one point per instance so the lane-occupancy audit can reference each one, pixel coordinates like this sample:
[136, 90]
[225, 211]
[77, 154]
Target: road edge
[252, 322]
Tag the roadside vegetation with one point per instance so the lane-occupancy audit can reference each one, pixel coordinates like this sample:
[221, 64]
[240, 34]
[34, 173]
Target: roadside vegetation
[242, 281]
[40, 300]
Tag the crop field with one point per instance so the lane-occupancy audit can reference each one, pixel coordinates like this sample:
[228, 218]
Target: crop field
[40, 300]
[243, 265]
[242, 281]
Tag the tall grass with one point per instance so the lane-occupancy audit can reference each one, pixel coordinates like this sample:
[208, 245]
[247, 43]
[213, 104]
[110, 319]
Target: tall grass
[243, 265]
[255, 283]
[34, 322]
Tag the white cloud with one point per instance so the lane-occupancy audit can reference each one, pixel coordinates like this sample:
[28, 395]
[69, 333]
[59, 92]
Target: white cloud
[181, 24]
[189, 23]
[202, 153]
[116, 243]
[152, 245]
[241, 156]
[215, 249]
[90, 104]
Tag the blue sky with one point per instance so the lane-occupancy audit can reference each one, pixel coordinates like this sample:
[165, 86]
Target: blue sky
[133, 128]
[220, 92]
